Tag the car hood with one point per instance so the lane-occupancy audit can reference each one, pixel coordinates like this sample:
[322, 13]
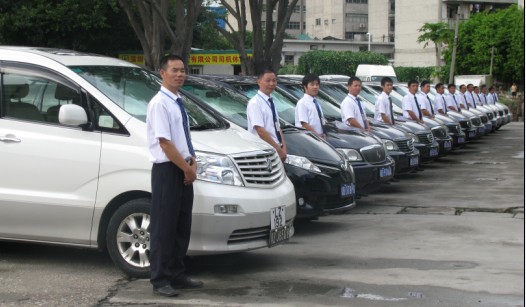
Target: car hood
[301, 142]
[342, 136]
[227, 141]
[411, 126]
[384, 131]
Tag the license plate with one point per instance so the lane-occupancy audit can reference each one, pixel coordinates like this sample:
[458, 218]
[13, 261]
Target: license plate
[461, 140]
[482, 129]
[472, 134]
[433, 152]
[385, 171]
[279, 232]
[447, 144]
[347, 190]
[413, 161]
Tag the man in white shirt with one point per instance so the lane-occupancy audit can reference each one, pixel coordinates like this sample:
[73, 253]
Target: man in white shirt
[351, 108]
[440, 100]
[492, 96]
[262, 115]
[426, 105]
[470, 96]
[463, 101]
[308, 112]
[452, 98]
[410, 103]
[173, 171]
[478, 100]
[383, 107]
[483, 94]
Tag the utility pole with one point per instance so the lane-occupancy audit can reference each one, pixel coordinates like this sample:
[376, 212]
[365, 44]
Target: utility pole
[491, 62]
[454, 53]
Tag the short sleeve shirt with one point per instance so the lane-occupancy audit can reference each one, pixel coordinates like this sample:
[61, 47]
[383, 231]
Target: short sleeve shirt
[164, 119]
[490, 99]
[306, 112]
[349, 109]
[409, 104]
[440, 102]
[470, 97]
[450, 100]
[259, 114]
[382, 105]
[425, 104]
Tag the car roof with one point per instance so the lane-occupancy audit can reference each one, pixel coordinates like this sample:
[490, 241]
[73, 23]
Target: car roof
[67, 57]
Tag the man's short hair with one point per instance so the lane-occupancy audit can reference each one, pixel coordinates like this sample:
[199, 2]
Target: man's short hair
[439, 85]
[491, 88]
[424, 83]
[450, 85]
[265, 71]
[461, 86]
[413, 81]
[170, 57]
[352, 79]
[386, 80]
[308, 78]
[482, 86]
[471, 84]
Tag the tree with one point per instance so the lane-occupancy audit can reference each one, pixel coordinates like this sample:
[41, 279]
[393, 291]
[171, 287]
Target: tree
[149, 19]
[502, 30]
[266, 44]
[323, 62]
[438, 33]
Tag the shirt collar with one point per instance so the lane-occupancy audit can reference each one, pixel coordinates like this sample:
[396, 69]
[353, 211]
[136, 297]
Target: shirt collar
[169, 93]
[260, 93]
[308, 97]
[352, 96]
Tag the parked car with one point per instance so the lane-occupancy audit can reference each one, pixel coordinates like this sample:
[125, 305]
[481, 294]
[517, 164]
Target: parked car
[75, 167]
[369, 159]
[322, 178]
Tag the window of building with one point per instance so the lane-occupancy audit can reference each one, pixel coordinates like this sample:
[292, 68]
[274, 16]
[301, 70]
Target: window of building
[196, 70]
[333, 21]
[304, 25]
[318, 21]
[297, 9]
[289, 59]
[293, 25]
[355, 35]
[357, 1]
[357, 18]
[313, 47]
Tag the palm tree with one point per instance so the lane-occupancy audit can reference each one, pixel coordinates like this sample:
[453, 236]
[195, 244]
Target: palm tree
[437, 33]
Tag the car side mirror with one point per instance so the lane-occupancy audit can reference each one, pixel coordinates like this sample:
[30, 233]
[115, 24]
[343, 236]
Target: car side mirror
[72, 115]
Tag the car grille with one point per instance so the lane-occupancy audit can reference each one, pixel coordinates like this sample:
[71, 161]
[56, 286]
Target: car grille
[506, 111]
[243, 236]
[501, 113]
[484, 119]
[476, 121]
[405, 145]
[454, 129]
[465, 124]
[373, 154]
[262, 168]
[425, 138]
[490, 116]
[439, 132]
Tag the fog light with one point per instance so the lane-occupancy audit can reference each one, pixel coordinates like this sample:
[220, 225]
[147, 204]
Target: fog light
[226, 209]
[301, 202]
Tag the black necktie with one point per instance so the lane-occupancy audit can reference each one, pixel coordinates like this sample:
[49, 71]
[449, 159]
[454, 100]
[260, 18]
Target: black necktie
[431, 104]
[275, 120]
[454, 98]
[494, 98]
[391, 109]
[318, 109]
[186, 127]
[474, 102]
[485, 99]
[418, 107]
[466, 102]
[445, 104]
[364, 118]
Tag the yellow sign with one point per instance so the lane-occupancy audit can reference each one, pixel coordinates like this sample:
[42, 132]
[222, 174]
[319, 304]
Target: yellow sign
[195, 59]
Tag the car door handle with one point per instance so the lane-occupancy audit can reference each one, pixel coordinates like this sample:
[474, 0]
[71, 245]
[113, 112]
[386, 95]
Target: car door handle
[9, 138]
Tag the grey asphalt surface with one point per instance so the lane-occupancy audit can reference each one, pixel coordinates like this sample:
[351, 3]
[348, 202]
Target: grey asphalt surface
[452, 235]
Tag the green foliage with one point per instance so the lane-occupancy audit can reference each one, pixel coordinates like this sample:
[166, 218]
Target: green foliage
[288, 69]
[206, 36]
[404, 74]
[324, 62]
[89, 25]
[504, 30]
[435, 32]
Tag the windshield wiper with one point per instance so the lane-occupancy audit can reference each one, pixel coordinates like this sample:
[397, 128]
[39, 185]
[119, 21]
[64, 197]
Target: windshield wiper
[204, 127]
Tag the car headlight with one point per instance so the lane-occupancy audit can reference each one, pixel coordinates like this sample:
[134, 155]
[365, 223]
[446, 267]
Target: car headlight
[390, 145]
[413, 137]
[218, 169]
[351, 155]
[302, 162]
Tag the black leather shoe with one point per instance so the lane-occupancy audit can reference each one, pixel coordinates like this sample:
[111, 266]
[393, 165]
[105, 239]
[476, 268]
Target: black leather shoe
[187, 283]
[167, 290]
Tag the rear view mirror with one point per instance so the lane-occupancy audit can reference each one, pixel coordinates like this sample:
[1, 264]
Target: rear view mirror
[72, 115]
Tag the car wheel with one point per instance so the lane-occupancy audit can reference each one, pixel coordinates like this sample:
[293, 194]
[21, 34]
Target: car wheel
[128, 238]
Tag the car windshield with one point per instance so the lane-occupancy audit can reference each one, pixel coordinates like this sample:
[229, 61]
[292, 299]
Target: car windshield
[330, 111]
[132, 88]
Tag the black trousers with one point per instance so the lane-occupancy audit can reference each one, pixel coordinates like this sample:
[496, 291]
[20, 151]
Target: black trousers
[170, 223]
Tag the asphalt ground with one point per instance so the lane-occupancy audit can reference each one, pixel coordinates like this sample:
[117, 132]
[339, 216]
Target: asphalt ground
[452, 235]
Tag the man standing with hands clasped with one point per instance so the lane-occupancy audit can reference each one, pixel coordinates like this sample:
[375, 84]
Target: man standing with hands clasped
[426, 105]
[351, 109]
[412, 108]
[262, 116]
[308, 113]
[173, 172]
[383, 107]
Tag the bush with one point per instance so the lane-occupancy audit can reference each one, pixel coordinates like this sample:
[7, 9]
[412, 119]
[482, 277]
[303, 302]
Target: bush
[323, 62]
[404, 74]
[288, 69]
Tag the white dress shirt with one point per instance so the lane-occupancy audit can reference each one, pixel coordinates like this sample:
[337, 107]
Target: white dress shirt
[409, 104]
[382, 105]
[453, 101]
[425, 103]
[259, 114]
[164, 119]
[470, 97]
[306, 112]
[440, 103]
[349, 109]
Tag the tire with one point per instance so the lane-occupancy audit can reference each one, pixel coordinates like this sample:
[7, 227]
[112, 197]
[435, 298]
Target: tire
[128, 238]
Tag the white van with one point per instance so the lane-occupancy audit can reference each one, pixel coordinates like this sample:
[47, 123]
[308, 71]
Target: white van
[74, 163]
[367, 72]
